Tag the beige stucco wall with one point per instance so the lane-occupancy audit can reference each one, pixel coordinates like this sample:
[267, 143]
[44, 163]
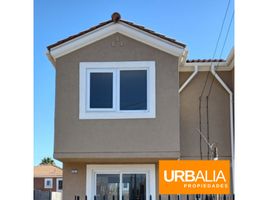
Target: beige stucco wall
[74, 184]
[113, 138]
[219, 115]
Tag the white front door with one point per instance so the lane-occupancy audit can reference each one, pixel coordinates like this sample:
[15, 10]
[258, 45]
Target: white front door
[121, 182]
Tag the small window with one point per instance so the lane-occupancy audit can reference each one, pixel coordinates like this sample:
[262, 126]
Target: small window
[48, 183]
[59, 184]
[117, 90]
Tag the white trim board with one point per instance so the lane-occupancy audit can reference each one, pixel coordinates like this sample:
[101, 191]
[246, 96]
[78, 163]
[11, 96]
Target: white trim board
[148, 169]
[110, 29]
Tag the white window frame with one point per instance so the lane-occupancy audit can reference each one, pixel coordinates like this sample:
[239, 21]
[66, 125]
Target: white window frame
[57, 184]
[148, 169]
[45, 183]
[86, 68]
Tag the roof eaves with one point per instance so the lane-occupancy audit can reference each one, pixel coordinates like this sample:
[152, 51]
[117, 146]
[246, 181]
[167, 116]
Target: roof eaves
[153, 33]
[205, 65]
[112, 21]
[48, 176]
[78, 34]
[205, 60]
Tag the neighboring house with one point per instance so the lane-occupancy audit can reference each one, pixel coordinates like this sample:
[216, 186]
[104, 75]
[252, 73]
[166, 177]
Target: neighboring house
[126, 98]
[48, 178]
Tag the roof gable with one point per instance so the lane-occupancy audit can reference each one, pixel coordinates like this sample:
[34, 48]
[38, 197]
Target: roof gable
[113, 26]
[47, 171]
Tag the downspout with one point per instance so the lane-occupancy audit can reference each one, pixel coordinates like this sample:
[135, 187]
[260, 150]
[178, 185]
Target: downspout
[189, 79]
[231, 116]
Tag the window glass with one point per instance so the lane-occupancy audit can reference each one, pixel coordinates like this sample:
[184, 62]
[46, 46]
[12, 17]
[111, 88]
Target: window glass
[133, 90]
[101, 90]
[134, 186]
[108, 186]
[60, 185]
[48, 183]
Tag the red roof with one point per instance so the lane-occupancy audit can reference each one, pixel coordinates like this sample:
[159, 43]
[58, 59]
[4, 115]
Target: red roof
[116, 18]
[47, 170]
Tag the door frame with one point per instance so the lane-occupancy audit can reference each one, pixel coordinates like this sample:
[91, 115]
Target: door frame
[148, 169]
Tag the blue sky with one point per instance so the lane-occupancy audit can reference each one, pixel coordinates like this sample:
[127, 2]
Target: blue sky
[195, 23]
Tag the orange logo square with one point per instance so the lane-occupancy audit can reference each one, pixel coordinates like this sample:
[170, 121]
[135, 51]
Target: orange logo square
[194, 176]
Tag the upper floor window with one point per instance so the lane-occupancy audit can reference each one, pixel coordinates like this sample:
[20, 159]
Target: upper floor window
[113, 90]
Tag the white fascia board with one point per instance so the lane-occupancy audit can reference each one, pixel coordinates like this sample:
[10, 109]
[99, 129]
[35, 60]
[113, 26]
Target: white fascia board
[205, 66]
[50, 58]
[110, 29]
[82, 41]
[230, 57]
[150, 39]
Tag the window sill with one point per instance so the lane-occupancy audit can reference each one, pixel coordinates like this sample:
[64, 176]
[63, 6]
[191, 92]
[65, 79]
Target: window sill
[117, 115]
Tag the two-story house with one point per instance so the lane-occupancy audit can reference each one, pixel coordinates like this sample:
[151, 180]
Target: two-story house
[127, 97]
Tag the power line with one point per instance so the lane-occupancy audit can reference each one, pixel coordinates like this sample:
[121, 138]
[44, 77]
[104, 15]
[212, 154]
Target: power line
[226, 11]
[216, 47]
[206, 80]
[210, 87]
[224, 43]
[225, 39]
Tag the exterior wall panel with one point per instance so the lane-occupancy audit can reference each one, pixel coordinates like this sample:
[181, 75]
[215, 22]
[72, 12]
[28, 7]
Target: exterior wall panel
[157, 137]
[74, 184]
[219, 116]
